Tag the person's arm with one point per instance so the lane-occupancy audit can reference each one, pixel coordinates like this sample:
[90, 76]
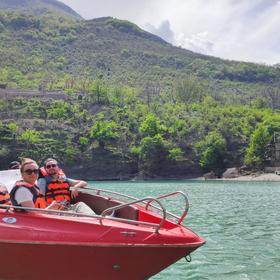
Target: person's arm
[28, 204]
[56, 206]
[25, 199]
[41, 183]
[75, 185]
[53, 206]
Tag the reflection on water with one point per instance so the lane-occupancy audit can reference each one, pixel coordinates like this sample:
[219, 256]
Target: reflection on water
[239, 220]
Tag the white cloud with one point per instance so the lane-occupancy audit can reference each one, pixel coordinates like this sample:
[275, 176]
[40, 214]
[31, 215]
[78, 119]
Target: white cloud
[163, 30]
[196, 42]
[233, 29]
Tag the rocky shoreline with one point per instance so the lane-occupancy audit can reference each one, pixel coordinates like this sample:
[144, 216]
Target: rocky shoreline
[269, 177]
[237, 174]
[256, 177]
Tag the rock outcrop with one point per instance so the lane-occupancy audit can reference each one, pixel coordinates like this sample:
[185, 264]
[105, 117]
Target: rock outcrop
[231, 173]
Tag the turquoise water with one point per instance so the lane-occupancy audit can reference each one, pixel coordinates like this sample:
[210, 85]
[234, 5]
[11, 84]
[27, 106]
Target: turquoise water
[239, 220]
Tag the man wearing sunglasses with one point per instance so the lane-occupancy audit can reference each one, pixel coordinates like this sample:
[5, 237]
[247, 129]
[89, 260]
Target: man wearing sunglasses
[56, 187]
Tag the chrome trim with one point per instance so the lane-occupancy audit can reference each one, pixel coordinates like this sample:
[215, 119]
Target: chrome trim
[177, 218]
[149, 199]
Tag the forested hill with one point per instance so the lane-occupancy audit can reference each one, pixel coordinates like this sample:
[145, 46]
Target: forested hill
[49, 48]
[110, 100]
[38, 7]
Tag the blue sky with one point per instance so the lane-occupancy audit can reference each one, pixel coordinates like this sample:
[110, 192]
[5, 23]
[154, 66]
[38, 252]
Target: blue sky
[244, 30]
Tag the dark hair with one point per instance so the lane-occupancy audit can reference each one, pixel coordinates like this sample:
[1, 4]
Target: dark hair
[14, 165]
[26, 161]
[49, 159]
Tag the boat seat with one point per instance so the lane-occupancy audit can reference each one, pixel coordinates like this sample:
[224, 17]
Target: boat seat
[100, 203]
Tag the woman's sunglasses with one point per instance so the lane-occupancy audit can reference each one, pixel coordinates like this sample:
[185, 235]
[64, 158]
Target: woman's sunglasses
[51, 166]
[30, 171]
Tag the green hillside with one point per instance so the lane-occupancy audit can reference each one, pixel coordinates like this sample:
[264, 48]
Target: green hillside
[38, 7]
[48, 47]
[122, 102]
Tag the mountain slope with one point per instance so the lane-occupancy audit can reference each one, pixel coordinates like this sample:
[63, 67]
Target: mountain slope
[38, 7]
[111, 44]
[119, 52]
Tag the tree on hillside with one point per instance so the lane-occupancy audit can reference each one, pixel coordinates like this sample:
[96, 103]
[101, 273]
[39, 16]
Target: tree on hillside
[59, 110]
[151, 126]
[104, 132]
[11, 131]
[98, 93]
[150, 91]
[13, 127]
[189, 90]
[211, 151]
[256, 152]
[31, 139]
[152, 152]
[273, 96]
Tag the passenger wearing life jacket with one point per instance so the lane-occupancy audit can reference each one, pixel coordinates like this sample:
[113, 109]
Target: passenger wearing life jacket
[4, 195]
[56, 186]
[25, 192]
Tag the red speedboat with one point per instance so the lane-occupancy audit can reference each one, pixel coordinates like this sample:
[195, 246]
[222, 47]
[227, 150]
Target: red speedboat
[127, 239]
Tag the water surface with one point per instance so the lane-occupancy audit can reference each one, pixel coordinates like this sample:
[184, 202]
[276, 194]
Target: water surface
[239, 220]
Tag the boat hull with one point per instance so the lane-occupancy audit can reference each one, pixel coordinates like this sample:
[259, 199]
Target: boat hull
[33, 261]
[133, 242]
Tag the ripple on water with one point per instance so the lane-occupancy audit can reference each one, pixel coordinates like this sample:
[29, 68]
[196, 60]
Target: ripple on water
[239, 220]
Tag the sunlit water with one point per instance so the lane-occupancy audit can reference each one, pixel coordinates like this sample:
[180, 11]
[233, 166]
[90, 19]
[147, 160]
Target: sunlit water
[239, 220]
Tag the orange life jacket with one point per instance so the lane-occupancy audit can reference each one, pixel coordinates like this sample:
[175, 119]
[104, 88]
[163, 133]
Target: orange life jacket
[56, 189]
[5, 197]
[38, 198]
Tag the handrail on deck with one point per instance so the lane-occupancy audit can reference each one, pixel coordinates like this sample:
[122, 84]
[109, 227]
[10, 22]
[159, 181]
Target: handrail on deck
[98, 191]
[172, 194]
[179, 219]
[149, 199]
